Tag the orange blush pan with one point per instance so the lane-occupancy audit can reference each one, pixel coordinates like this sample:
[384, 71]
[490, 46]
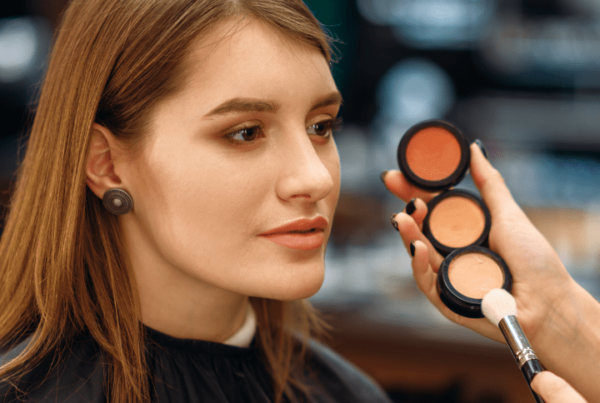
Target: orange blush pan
[467, 275]
[434, 155]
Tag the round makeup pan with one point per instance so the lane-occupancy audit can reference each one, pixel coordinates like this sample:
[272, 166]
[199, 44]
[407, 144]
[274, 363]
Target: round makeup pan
[467, 275]
[456, 219]
[434, 155]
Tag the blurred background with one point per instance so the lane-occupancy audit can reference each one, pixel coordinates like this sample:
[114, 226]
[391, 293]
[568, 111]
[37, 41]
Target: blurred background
[521, 75]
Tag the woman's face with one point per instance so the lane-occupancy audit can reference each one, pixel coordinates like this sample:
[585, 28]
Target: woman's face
[236, 187]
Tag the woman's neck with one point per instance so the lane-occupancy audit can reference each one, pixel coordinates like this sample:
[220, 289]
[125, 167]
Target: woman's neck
[179, 304]
[215, 322]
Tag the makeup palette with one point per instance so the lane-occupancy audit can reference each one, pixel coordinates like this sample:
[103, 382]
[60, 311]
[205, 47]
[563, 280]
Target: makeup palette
[467, 275]
[435, 156]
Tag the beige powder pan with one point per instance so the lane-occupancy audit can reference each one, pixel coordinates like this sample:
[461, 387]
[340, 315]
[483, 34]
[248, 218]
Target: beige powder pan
[456, 218]
[467, 274]
[475, 274]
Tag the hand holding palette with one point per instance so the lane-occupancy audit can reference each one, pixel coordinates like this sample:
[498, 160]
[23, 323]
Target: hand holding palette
[435, 156]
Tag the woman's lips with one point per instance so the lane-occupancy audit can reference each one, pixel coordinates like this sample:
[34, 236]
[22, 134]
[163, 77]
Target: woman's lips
[304, 234]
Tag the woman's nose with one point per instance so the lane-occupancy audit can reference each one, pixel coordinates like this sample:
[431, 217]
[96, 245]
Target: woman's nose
[302, 172]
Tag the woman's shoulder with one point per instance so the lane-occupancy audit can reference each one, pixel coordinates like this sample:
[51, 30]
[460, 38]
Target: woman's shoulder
[77, 376]
[339, 379]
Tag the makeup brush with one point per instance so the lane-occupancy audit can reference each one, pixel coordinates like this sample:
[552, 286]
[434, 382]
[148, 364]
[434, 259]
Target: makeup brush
[501, 309]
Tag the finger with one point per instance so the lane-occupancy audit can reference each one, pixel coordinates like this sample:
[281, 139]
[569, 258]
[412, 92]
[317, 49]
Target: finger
[409, 231]
[554, 389]
[417, 209]
[424, 275]
[491, 185]
[396, 183]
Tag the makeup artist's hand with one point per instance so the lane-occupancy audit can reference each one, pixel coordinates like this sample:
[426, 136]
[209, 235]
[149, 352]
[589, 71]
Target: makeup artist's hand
[539, 277]
[553, 389]
[560, 319]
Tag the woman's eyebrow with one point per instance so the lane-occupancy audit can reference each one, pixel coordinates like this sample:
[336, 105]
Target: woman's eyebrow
[260, 105]
[243, 105]
[335, 98]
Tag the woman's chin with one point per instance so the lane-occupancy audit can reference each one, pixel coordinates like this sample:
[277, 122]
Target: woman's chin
[306, 292]
[300, 286]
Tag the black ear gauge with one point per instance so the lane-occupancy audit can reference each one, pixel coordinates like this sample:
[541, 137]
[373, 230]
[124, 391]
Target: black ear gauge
[117, 201]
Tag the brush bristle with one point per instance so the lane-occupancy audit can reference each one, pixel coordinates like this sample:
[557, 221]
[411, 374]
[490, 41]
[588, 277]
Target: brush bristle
[497, 304]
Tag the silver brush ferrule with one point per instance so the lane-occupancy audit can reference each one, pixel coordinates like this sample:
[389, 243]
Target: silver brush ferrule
[518, 343]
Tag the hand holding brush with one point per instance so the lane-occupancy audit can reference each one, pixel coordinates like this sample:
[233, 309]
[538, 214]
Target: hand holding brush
[554, 389]
[501, 309]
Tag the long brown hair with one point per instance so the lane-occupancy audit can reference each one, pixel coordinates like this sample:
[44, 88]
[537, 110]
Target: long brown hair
[62, 264]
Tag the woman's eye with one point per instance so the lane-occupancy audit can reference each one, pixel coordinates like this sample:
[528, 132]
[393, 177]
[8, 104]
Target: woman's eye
[244, 135]
[325, 128]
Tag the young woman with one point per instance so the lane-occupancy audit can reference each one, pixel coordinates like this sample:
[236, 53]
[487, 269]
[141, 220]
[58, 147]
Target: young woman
[174, 204]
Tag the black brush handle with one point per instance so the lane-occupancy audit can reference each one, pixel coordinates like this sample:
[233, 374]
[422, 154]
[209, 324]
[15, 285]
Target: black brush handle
[521, 350]
[530, 369]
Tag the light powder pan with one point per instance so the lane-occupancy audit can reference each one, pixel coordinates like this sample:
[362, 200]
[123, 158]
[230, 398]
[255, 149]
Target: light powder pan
[456, 219]
[467, 274]
[434, 155]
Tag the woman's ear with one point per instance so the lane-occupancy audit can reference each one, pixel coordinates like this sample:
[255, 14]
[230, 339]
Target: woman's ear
[101, 155]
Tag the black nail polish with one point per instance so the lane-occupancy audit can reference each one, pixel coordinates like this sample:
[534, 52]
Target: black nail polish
[482, 148]
[394, 223]
[412, 249]
[410, 207]
[382, 176]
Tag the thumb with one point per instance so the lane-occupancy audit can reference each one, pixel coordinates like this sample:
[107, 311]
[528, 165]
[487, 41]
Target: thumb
[491, 185]
[554, 389]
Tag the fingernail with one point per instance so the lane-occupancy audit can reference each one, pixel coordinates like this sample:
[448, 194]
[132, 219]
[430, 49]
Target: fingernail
[412, 248]
[382, 176]
[481, 147]
[410, 207]
[394, 223]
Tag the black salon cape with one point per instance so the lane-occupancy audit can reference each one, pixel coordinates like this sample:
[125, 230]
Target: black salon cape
[191, 371]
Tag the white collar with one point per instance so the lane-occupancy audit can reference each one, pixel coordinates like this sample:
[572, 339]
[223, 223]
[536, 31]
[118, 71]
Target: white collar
[244, 336]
